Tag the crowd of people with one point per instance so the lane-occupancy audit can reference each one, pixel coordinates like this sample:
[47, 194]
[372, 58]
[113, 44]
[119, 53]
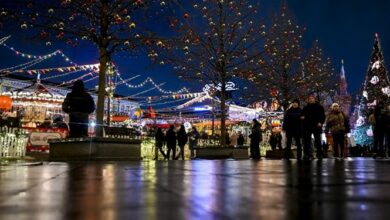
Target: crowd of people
[172, 139]
[307, 122]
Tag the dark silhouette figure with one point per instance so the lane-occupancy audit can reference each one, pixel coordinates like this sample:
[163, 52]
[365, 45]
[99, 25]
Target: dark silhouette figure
[292, 125]
[379, 129]
[182, 139]
[171, 142]
[159, 139]
[313, 116]
[240, 139]
[387, 128]
[275, 140]
[58, 122]
[193, 141]
[256, 138]
[78, 104]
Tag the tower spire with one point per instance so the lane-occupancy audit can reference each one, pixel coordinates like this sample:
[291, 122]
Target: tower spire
[343, 81]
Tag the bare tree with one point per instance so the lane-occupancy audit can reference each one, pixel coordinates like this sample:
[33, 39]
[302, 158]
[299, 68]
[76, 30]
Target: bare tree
[111, 25]
[318, 75]
[218, 42]
[280, 66]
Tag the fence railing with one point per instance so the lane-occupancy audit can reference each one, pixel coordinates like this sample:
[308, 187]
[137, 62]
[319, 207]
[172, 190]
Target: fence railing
[13, 142]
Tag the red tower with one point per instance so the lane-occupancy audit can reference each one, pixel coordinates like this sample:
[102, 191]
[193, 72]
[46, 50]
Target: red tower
[343, 98]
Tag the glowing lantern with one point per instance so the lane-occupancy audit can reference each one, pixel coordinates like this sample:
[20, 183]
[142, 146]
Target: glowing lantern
[5, 102]
[275, 123]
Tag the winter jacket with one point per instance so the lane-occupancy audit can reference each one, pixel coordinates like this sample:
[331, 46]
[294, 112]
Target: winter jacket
[171, 138]
[313, 114]
[240, 140]
[193, 138]
[292, 122]
[337, 123]
[159, 138]
[182, 137]
[78, 104]
[255, 136]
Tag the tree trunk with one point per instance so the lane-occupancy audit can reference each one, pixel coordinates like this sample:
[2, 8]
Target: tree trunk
[101, 92]
[223, 113]
[104, 57]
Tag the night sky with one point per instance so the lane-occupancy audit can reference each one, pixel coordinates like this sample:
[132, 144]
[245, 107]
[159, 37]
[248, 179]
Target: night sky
[344, 28]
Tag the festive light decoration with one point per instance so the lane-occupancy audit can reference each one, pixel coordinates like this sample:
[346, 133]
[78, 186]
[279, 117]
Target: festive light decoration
[46, 56]
[93, 67]
[163, 103]
[376, 89]
[148, 80]
[5, 102]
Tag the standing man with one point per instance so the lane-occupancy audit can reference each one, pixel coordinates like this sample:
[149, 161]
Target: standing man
[78, 104]
[256, 138]
[171, 142]
[313, 116]
[292, 125]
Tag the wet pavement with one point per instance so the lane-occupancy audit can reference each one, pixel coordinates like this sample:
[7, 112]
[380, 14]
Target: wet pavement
[199, 189]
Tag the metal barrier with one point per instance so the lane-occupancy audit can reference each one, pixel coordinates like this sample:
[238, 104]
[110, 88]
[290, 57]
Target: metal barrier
[13, 142]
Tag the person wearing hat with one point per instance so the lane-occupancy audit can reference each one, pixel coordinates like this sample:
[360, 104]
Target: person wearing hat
[313, 116]
[338, 125]
[292, 125]
[78, 104]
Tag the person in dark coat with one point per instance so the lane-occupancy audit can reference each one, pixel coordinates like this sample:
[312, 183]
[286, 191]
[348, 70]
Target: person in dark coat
[386, 120]
[171, 142]
[379, 129]
[338, 125]
[313, 116]
[275, 140]
[182, 139]
[159, 140]
[240, 139]
[78, 104]
[292, 125]
[193, 141]
[58, 122]
[256, 138]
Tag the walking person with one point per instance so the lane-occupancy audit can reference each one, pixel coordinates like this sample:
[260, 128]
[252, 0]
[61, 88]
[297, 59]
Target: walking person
[159, 140]
[256, 138]
[182, 139]
[313, 116]
[171, 142]
[193, 141]
[379, 129]
[78, 104]
[338, 125]
[292, 125]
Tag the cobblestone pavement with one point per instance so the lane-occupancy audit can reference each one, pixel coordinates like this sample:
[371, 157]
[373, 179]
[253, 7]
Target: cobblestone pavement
[199, 189]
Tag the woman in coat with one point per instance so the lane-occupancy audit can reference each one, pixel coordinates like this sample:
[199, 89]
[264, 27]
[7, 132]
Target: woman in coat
[338, 125]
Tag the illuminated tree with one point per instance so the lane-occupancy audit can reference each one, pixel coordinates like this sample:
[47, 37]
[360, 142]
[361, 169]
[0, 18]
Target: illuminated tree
[376, 89]
[281, 65]
[219, 41]
[318, 75]
[110, 25]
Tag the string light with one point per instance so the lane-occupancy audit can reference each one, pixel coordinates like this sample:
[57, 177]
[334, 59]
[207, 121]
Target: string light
[163, 103]
[149, 80]
[33, 56]
[22, 66]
